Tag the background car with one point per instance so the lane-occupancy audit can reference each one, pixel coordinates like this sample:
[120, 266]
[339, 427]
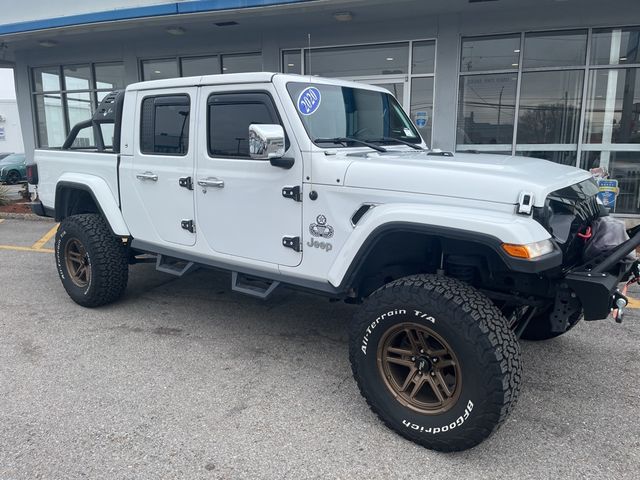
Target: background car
[13, 169]
[4, 154]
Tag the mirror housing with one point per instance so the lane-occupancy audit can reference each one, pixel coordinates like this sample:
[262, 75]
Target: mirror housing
[266, 142]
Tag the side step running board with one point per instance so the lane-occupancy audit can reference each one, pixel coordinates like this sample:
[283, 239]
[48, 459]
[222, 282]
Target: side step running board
[174, 266]
[254, 286]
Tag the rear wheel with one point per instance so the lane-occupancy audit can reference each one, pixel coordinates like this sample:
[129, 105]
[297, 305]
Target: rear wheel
[435, 359]
[92, 262]
[12, 177]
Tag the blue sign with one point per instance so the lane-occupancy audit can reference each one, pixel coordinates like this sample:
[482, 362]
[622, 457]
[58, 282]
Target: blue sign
[421, 119]
[609, 190]
[309, 100]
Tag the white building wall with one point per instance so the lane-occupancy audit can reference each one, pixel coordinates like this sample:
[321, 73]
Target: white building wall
[10, 131]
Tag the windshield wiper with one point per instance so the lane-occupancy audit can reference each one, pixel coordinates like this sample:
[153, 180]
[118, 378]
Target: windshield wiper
[353, 140]
[392, 139]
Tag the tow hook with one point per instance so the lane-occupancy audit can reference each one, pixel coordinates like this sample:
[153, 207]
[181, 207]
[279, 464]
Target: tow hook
[621, 303]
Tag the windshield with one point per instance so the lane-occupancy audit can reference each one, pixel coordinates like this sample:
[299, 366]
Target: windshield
[335, 112]
[13, 158]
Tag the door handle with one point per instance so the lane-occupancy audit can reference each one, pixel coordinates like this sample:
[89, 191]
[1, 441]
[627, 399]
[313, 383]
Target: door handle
[147, 176]
[211, 182]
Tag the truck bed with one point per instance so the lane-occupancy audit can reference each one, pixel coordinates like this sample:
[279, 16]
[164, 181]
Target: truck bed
[70, 165]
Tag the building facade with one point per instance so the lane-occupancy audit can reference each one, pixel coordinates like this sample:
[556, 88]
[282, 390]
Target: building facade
[556, 79]
[10, 132]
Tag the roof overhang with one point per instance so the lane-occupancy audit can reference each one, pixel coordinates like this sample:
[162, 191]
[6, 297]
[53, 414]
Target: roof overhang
[149, 11]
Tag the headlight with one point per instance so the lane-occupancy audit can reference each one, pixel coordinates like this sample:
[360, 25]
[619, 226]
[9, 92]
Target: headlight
[530, 250]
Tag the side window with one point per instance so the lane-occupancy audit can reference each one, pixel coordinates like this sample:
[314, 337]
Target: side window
[229, 117]
[164, 125]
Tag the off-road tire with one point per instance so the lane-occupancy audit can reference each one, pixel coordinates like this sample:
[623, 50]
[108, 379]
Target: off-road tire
[487, 350]
[106, 259]
[539, 327]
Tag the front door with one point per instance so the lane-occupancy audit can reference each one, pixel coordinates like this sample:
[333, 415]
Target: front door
[398, 86]
[164, 153]
[241, 210]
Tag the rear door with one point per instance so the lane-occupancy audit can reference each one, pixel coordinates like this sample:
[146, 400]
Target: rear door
[163, 164]
[246, 214]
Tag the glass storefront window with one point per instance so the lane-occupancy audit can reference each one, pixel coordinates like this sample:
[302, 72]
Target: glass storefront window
[159, 69]
[50, 120]
[109, 76]
[557, 49]
[77, 77]
[423, 57]
[46, 79]
[550, 105]
[195, 66]
[613, 108]
[246, 62]
[79, 109]
[291, 61]
[490, 53]
[564, 158]
[78, 88]
[624, 167]
[421, 111]
[613, 46]
[486, 109]
[358, 61]
[560, 93]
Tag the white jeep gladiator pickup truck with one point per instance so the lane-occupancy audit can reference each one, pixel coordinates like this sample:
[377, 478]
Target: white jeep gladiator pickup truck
[326, 186]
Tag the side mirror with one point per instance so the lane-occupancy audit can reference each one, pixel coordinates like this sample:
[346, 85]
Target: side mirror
[266, 142]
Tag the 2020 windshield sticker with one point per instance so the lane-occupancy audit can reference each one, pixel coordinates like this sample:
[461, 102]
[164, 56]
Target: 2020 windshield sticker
[309, 101]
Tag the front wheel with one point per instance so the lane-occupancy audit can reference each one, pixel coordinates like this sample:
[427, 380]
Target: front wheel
[435, 359]
[92, 262]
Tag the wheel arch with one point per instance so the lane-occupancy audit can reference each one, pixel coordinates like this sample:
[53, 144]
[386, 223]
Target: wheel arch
[89, 196]
[408, 243]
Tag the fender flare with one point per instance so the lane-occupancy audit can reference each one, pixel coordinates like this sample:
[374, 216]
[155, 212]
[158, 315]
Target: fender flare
[102, 196]
[488, 228]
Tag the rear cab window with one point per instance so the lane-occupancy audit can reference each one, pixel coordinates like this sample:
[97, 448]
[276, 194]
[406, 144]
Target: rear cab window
[164, 125]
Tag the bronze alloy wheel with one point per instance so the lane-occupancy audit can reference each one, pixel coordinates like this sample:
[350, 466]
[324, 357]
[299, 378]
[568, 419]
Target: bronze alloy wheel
[77, 262]
[419, 368]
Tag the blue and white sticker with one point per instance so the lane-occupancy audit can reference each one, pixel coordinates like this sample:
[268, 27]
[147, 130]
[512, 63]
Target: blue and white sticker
[309, 100]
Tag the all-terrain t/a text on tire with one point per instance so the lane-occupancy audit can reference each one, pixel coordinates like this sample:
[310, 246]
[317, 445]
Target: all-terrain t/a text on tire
[436, 361]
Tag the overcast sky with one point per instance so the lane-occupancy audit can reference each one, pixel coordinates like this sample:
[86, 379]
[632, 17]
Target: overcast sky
[7, 88]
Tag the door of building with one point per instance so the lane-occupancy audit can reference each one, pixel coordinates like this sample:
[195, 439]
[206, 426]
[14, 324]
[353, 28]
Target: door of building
[397, 85]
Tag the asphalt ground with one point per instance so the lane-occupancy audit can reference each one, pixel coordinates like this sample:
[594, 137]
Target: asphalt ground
[185, 379]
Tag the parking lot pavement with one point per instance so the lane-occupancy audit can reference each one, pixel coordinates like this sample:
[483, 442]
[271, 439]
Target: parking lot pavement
[19, 235]
[185, 379]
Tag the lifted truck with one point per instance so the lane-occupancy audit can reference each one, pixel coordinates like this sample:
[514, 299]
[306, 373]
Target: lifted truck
[327, 186]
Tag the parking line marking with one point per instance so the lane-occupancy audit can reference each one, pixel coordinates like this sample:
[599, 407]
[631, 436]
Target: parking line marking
[45, 238]
[26, 249]
[633, 303]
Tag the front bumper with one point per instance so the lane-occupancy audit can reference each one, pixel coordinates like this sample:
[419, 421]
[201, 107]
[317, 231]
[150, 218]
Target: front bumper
[595, 283]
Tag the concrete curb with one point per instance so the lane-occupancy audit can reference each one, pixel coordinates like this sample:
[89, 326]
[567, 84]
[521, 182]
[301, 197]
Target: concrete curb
[25, 216]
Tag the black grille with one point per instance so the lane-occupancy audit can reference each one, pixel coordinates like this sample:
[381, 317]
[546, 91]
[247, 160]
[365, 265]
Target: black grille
[566, 213]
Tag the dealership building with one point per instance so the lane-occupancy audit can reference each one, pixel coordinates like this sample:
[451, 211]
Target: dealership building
[556, 79]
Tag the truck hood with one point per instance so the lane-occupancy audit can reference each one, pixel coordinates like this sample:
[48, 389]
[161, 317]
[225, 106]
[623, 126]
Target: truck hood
[492, 178]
